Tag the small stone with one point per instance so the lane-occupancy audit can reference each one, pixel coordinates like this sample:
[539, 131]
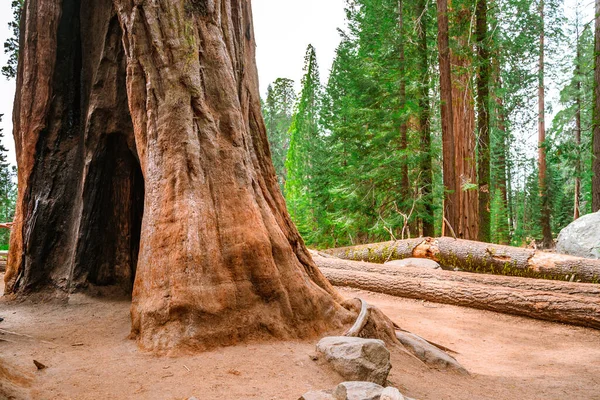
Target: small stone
[391, 393]
[317, 395]
[414, 263]
[357, 391]
[357, 359]
[313, 356]
[39, 365]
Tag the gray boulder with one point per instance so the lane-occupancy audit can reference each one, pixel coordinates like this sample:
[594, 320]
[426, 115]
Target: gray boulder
[581, 238]
[415, 263]
[357, 359]
[357, 391]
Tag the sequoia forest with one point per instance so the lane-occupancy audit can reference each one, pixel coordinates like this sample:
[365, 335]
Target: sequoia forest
[416, 217]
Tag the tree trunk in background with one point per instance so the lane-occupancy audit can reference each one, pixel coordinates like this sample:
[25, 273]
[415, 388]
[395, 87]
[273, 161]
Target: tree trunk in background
[596, 116]
[463, 121]
[483, 122]
[548, 241]
[424, 119]
[219, 259]
[404, 184]
[451, 188]
[576, 209]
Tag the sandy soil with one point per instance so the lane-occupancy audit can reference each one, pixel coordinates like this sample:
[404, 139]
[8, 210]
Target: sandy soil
[85, 346]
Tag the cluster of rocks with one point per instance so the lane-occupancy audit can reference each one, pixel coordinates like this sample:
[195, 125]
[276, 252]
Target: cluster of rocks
[365, 363]
[354, 390]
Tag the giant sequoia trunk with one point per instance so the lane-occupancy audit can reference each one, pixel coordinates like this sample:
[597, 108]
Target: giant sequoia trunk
[143, 161]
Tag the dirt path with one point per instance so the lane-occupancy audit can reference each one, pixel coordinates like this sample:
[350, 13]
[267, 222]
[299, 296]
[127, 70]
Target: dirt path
[85, 346]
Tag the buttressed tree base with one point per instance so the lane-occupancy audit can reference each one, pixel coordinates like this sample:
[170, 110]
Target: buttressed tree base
[144, 164]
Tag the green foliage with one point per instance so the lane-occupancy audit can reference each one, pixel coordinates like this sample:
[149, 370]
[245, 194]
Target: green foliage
[277, 111]
[11, 45]
[8, 192]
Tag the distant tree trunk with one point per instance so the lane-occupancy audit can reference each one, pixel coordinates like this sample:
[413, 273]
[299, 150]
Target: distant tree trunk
[576, 209]
[463, 121]
[483, 122]
[596, 115]
[424, 119]
[501, 155]
[545, 212]
[404, 184]
[138, 126]
[451, 196]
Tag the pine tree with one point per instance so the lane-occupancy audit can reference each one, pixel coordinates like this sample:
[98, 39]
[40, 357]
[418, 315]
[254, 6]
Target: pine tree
[305, 147]
[278, 110]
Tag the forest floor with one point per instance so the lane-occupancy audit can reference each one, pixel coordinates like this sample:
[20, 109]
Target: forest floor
[88, 356]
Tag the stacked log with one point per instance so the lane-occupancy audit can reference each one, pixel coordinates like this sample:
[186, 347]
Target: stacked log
[566, 302]
[466, 255]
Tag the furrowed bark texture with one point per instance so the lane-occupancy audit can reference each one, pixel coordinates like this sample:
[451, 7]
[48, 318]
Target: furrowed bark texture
[142, 152]
[474, 256]
[463, 121]
[576, 310]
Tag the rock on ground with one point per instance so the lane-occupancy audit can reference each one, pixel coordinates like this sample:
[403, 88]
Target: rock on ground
[428, 353]
[317, 395]
[357, 391]
[391, 393]
[415, 263]
[581, 238]
[357, 359]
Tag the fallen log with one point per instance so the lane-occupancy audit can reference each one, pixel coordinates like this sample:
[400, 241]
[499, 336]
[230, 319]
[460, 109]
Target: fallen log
[555, 307]
[542, 285]
[467, 255]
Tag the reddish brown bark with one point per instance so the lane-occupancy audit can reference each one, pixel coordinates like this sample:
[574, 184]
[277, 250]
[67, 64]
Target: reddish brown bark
[463, 121]
[452, 191]
[138, 125]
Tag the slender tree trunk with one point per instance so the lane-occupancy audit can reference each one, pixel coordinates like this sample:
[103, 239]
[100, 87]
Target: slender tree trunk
[451, 196]
[596, 116]
[463, 121]
[543, 179]
[424, 119]
[501, 155]
[404, 184]
[219, 259]
[576, 209]
[483, 122]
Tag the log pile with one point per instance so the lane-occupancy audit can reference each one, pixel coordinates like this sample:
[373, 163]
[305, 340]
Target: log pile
[466, 255]
[567, 302]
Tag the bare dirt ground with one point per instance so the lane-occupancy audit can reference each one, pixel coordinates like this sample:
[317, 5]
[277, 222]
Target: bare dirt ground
[88, 355]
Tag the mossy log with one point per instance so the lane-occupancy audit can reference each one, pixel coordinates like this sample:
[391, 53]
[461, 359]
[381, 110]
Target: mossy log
[545, 303]
[472, 256]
